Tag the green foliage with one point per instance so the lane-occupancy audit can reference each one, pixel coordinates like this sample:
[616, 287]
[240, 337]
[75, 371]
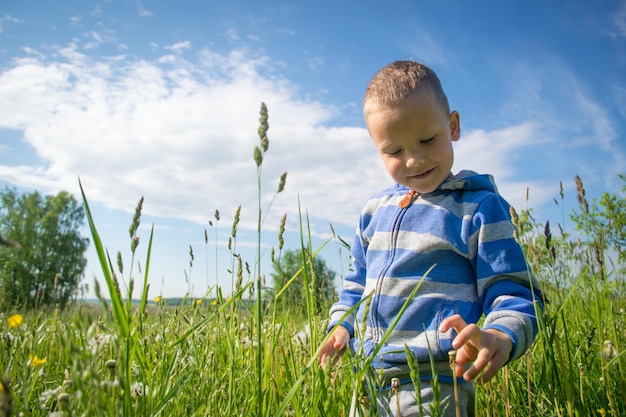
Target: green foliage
[289, 278]
[226, 357]
[603, 223]
[577, 365]
[48, 264]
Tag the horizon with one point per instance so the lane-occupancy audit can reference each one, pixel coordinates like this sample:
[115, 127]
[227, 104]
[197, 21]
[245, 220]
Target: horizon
[162, 101]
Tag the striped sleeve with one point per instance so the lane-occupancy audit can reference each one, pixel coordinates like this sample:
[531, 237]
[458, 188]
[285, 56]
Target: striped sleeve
[506, 286]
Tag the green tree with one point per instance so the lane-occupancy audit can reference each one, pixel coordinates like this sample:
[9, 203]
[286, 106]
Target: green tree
[307, 270]
[48, 261]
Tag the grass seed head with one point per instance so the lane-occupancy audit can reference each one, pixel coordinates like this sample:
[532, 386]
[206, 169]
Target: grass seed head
[281, 183]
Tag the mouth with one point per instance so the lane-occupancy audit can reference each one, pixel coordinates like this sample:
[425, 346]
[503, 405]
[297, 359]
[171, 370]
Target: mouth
[422, 175]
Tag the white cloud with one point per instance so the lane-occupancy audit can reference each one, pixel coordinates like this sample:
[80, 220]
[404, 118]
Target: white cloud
[315, 63]
[494, 152]
[179, 133]
[286, 31]
[576, 129]
[619, 20]
[179, 46]
[8, 18]
[143, 12]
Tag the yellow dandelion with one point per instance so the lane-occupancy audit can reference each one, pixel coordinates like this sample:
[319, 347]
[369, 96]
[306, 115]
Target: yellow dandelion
[214, 302]
[601, 412]
[199, 302]
[15, 320]
[227, 299]
[35, 361]
[157, 299]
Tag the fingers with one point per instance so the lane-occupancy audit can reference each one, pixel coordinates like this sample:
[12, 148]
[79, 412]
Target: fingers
[497, 361]
[482, 360]
[328, 352]
[455, 321]
[334, 346]
[487, 351]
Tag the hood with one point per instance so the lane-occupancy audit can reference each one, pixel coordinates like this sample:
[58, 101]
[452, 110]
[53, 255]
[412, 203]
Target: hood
[464, 180]
[470, 181]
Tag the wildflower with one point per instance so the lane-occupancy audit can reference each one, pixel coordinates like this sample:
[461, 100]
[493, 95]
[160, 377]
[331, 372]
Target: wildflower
[35, 361]
[247, 343]
[601, 412]
[214, 303]
[303, 337]
[200, 301]
[7, 338]
[48, 395]
[99, 341]
[15, 320]
[135, 369]
[67, 379]
[157, 299]
[609, 351]
[110, 384]
[138, 390]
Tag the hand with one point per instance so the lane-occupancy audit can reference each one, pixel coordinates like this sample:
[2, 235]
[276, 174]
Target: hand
[334, 346]
[488, 350]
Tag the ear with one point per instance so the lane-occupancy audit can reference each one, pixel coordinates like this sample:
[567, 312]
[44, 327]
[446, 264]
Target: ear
[455, 125]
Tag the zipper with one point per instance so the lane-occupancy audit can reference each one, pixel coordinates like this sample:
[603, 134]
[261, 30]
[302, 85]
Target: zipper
[403, 204]
[407, 199]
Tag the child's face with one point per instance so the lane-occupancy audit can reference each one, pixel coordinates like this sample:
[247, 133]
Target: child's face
[415, 139]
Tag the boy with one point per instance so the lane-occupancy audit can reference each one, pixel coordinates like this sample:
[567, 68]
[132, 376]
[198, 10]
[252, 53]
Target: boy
[458, 225]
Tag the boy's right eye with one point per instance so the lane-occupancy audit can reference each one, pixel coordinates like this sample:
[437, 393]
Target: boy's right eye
[393, 152]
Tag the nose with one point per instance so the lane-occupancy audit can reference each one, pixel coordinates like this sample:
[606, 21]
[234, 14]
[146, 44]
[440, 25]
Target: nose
[414, 159]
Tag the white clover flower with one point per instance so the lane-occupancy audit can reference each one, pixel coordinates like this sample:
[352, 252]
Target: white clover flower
[110, 384]
[67, 378]
[191, 360]
[101, 340]
[47, 395]
[246, 342]
[135, 369]
[138, 389]
[609, 351]
[303, 337]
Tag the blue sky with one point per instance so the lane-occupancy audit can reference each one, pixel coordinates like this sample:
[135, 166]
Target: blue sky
[160, 99]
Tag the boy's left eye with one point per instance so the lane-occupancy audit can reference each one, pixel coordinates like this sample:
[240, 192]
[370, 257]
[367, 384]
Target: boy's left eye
[427, 140]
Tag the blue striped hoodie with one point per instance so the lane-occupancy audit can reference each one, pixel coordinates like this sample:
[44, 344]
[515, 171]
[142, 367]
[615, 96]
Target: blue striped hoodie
[463, 230]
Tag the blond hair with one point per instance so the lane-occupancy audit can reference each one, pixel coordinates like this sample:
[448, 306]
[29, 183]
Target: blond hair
[400, 81]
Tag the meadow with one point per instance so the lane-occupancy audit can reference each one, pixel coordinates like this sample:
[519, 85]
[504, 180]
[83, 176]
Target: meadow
[243, 355]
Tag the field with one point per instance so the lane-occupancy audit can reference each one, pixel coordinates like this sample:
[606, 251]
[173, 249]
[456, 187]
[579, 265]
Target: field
[236, 356]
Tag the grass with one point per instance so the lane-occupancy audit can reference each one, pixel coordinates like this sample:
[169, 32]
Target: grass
[240, 356]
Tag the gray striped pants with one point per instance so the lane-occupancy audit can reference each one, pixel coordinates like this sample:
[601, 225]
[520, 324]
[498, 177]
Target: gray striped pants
[404, 402]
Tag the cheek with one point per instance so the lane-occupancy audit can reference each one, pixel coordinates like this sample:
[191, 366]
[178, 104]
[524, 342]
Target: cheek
[393, 166]
[444, 151]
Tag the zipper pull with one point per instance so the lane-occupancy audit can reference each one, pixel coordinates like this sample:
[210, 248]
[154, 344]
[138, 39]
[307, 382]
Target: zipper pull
[407, 199]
